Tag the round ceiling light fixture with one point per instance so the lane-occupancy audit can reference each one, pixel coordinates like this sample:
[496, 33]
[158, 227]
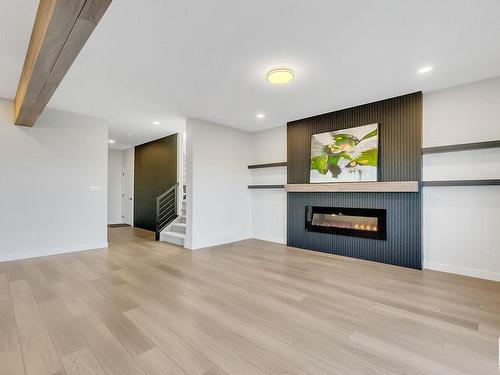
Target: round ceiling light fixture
[260, 115]
[156, 122]
[280, 76]
[425, 69]
[111, 141]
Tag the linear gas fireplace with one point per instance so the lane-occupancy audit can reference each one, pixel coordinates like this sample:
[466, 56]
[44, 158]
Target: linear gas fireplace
[356, 222]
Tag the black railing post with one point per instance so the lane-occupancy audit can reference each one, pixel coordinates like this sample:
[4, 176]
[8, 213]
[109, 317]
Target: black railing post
[157, 231]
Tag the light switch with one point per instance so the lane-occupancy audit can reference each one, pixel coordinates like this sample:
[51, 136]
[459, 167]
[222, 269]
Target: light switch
[94, 188]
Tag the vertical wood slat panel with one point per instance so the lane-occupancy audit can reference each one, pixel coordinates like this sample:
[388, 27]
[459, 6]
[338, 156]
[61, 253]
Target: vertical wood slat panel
[403, 245]
[400, 125]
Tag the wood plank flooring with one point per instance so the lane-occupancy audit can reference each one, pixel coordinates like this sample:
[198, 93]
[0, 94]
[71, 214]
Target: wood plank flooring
[252, 307]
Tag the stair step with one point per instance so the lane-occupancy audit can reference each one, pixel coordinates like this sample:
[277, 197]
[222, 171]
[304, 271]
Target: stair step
[178, 227]
[173, 237]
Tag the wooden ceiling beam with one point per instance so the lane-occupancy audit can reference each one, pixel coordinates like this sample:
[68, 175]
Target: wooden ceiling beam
[61, 29]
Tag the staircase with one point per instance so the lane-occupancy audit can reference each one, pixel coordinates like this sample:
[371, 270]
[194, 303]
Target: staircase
[175, 232]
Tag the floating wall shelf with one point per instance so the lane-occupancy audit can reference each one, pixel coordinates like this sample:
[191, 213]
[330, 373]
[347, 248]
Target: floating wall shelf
[266, 186]
[488, 182]
[461, 147]
[358, 187]
[268, 165]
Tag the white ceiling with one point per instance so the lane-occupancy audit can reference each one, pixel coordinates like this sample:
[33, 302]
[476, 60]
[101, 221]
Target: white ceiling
[169, 60]
[16, 22]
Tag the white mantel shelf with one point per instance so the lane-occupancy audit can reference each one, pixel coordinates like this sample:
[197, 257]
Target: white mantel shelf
[357, 187]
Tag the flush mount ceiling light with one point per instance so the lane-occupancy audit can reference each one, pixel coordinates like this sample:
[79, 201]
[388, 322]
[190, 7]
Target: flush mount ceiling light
[425, 69]
[111, 141]
[260, 115]
[156, 122]
[280, 76]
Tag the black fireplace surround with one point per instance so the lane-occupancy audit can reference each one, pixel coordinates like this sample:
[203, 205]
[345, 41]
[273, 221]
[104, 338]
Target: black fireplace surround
[347, 221]
[400, 159]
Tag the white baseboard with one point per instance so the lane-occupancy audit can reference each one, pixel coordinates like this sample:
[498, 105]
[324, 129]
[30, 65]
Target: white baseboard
[472, 272]
[270, 239]
[47, 252]
[263, 238]
[208, 244]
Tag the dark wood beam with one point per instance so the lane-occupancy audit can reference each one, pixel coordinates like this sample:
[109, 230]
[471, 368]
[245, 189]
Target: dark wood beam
[61, 29]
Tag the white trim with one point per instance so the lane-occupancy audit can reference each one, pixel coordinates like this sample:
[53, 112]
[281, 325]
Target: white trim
[47, 252]
[114, 222]
[262, 238]
[270, 239]
[214, 244]
[472, 272]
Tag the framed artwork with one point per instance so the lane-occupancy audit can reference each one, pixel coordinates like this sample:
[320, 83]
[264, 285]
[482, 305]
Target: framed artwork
[347, 155]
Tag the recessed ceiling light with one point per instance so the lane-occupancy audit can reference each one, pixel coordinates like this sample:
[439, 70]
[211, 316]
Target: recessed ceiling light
[260, 115]
[425, 69]
[111, 141]
[280, 76]
[156, 122]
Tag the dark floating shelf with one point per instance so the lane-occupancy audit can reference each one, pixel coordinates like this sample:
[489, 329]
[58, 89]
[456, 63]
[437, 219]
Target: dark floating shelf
[266, 186]
[268, 165]
[489, 182]
[461, 147]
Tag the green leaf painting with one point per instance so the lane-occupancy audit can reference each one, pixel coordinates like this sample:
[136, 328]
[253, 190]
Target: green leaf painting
[347, 155]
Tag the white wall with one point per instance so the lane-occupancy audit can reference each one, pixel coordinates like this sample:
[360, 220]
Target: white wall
[115, 186]
[218, 200]
[268, 207]
[461, 224]
[181, 154]
[48, 177]
[128, 157]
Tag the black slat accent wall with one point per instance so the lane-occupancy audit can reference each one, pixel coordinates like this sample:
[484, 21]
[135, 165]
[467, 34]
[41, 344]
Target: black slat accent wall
[155, 171]
[403, 244]
[400, 125]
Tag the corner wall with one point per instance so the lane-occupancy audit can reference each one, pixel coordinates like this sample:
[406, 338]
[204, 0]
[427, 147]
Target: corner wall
[218, 201]
[53, 184]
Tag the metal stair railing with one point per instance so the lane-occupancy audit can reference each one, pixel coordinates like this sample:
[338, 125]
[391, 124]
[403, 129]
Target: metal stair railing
[166, 209]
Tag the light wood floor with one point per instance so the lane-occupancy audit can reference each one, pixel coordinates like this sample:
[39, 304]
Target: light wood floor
[251, 307]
